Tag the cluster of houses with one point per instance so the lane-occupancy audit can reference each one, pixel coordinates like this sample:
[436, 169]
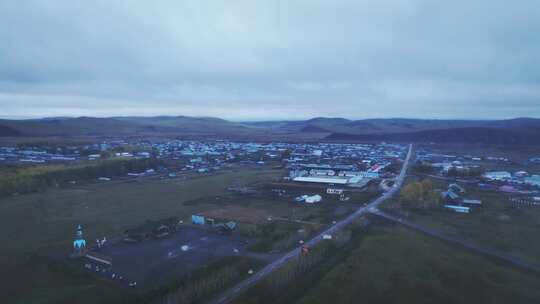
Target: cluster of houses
[462, 165]
[309, 199]
[334, 163]
[521, 186]
[454, 201]
[449, 158]
[35, 155]
[339, 164]
[503, 181]
[535, 160]
[69, 153]
[513, 182]
[336, 166]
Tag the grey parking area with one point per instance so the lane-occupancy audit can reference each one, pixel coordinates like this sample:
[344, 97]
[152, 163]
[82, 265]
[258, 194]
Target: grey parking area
[153, 262]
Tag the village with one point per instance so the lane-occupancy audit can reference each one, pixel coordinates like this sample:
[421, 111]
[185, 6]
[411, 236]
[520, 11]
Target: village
[498, 174]
[182, 207]
[315, 186]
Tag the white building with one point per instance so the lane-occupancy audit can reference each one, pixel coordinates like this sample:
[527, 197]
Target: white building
[322, 179]
[498, 175]
[320, 172]
[309, 199]
[313, 199]
[317, 152]
[533, 180]
[362, 174]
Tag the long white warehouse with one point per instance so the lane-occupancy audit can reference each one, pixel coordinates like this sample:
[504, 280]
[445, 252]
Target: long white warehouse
[324, 180]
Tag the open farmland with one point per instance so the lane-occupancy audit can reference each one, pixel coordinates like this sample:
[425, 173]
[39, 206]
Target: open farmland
[386, 263]
[496, 224]
[48, 219]
[43, 224]
[394, 265]
[39, 228]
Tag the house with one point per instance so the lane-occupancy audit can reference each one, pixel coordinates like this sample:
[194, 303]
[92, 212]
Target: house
[198, 219]
[309, 199]
[225, 227]
[521, 174]
[94, 156]
[456, 188]
[313, 199]
[450, 196]
[317, 153]
[325, 179]
[459, 209]
[472, 202]
[533, 180]
[498, 175]
[321, 172]
[161, 231]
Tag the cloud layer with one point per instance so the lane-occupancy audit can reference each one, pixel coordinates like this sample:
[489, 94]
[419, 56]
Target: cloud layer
[270, 59]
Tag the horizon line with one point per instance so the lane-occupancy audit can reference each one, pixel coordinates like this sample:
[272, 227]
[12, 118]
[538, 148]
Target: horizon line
[10, 117]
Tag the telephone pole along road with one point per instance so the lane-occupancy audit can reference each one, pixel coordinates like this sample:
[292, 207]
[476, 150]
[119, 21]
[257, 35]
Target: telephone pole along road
[230, 294]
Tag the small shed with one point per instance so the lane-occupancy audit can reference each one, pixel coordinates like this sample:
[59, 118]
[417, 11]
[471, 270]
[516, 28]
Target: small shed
[313, 199]
[459, 209]
[198, 219]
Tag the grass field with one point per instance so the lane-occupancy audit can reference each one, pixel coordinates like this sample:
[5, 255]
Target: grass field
[387, 263]
[38, 228]
[516, 153]
[394, 265]
[46, 221]
[495, 224]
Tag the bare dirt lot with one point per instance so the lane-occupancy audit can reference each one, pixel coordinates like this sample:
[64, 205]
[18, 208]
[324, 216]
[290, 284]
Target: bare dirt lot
[153, 262]
[240, 214]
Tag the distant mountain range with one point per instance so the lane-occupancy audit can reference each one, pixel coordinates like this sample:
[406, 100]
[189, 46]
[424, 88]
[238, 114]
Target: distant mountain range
[516, 131]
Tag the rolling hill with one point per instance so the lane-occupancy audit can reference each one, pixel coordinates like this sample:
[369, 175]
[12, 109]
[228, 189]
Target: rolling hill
[115, 126]
[472, 135]
[512, 131]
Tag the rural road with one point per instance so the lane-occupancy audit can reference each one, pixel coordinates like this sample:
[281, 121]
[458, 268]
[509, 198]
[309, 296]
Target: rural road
[230, 294]
[461, 241]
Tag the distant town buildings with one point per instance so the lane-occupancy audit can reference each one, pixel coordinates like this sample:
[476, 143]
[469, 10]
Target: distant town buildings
[498, 175]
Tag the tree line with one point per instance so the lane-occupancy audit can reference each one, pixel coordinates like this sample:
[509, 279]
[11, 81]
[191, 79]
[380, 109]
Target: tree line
[200, 285]
[31, 179]
[273, 289]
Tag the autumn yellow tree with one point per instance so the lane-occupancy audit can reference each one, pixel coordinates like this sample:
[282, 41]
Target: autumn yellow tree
[418, 195]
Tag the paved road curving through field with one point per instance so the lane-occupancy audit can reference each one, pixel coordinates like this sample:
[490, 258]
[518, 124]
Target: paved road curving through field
[230, 294]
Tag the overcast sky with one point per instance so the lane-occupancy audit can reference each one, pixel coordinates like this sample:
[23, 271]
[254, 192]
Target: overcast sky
[253, 60]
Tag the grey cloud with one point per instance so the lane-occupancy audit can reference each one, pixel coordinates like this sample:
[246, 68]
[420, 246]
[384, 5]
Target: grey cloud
[271, 59]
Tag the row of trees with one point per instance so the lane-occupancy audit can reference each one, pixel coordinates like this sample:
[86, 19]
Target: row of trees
[419, 195]
[470, 172]
[422, 167]
[199, 286]
[195, 290]
[39, 178]
[203, 283]
[427, 168]
[273, 288]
